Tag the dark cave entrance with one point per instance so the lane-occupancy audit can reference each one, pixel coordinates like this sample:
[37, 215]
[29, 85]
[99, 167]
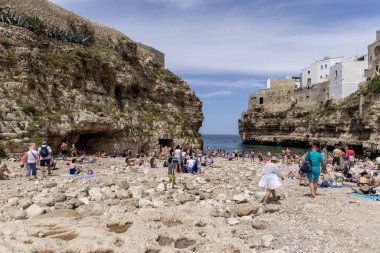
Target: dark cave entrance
[90, 143]
[166, 142]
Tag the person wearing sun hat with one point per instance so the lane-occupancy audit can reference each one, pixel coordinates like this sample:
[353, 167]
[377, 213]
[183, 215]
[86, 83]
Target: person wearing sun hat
[269, 179]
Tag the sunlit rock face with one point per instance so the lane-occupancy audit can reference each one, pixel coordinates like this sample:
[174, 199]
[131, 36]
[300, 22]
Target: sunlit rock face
[65, 78]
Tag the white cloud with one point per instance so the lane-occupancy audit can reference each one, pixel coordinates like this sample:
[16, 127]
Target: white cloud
[216, 94]
[243, 83]
[240, 38]
[233, 44]
[182, 4]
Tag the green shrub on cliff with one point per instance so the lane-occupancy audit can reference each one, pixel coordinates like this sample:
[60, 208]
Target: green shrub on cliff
[31, 82]
[3, 154]
[84, 35]
[374, 85]
[29, 108]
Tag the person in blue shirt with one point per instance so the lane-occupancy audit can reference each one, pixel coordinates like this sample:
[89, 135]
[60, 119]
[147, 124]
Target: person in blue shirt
[316, 159]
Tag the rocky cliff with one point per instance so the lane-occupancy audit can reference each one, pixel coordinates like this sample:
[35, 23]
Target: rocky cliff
[354, 121]
[65, 78]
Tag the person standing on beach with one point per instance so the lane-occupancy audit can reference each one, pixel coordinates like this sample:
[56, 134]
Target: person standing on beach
[316, 159]
[31, 162]
[252, 155]
[177, 156]
[74, 151]
[64, 150]
[45, 152]
[269, 179]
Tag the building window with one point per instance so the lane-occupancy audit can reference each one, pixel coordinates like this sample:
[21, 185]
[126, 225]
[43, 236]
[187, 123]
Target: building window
[325, 66]
[321, 77]
[323, 90]
[307, 96]
[321, 67]
[336, 74]
[326, 76]
[308, 72]
[261, 100]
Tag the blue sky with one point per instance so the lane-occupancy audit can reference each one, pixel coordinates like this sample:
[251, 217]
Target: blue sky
[226, 49]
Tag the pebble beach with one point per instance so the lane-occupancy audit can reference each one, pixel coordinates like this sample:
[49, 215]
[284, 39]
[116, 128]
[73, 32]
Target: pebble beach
[131, 209]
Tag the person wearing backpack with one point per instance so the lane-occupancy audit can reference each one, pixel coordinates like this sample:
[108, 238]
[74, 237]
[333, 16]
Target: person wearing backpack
[315, 158]
[45, 153]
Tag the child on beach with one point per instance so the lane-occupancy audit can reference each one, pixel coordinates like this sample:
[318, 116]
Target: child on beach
[269, 179]
[171, 175]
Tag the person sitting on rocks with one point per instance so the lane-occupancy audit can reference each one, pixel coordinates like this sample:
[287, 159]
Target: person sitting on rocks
[324, 179]
[3, 170]
[338, 178]
[269, 179]
[375, 180]
[363, 184]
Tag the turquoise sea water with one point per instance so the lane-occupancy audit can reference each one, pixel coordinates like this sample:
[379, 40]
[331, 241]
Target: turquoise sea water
[233, 142]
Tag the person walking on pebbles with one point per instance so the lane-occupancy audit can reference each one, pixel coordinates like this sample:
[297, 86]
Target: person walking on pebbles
[270, 179]
[316, 159]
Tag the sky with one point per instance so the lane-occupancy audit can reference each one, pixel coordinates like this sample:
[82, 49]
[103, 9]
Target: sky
[226, 49]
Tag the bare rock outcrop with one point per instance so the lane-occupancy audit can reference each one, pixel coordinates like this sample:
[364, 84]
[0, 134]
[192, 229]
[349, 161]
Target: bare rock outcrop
[354, 121]
[65, 78]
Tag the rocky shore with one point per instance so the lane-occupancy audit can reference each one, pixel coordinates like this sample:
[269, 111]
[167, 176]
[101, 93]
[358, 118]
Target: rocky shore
[131, 209]
[353, 121]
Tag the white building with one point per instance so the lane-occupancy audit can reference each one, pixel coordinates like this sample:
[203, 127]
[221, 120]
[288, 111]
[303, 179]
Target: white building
[318, 72]
[345, 76]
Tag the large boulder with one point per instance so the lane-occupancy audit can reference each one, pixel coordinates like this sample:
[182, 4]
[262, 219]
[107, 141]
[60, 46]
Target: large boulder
[34, 211]
[240, 198]
[247, 209]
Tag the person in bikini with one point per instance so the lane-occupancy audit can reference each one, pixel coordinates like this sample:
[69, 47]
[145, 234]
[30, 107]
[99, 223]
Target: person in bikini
[363, 184]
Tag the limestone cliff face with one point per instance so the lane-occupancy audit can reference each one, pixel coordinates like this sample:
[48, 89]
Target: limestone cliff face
[331, 123]
[92, 93]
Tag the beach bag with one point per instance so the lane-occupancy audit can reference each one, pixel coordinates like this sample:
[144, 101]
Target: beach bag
[44, 151]
[306, 166]
[24, 158]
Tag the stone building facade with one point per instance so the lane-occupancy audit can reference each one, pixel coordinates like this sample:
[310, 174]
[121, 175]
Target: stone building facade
[374, 58]
[283, 93]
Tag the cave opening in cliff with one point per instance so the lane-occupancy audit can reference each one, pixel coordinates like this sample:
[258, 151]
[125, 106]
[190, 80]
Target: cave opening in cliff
[92, 142]
[166, 143]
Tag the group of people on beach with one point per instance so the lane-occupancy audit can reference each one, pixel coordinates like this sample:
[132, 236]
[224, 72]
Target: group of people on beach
[327, 168]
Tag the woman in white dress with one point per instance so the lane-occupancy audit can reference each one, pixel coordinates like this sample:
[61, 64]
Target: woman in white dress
[270, 179]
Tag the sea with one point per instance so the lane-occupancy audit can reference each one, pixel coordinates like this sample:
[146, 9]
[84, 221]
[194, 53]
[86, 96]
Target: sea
[230, 143]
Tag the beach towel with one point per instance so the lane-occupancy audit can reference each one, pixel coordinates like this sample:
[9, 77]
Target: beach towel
[373, 197]
[91, 162]
[79, 176]
[58, 158]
